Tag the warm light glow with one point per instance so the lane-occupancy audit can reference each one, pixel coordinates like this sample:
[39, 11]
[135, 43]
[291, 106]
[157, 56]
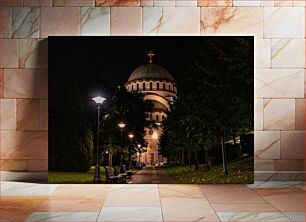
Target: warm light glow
[99, 99]
[131, 136]
[106, 151]
[139, 145]
[137, 153]
[155, 135]
[121, 125]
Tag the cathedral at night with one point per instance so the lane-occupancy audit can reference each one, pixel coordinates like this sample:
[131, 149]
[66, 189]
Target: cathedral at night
[158, 86]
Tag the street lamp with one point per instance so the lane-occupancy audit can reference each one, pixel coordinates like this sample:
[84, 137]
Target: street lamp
[99, 100]
[121, 126]
[131, 136]
[139, 152]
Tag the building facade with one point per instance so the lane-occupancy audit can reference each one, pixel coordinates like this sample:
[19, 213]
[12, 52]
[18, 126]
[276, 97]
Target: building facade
[158, 86]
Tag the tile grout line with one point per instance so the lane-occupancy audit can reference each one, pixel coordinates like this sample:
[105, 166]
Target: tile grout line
[209, 203]
[104, 202]
[161, 208]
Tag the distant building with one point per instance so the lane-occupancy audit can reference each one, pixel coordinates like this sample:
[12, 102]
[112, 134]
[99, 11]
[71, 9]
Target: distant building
[157, 85]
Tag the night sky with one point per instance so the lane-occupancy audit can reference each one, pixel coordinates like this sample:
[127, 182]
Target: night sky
[114, 58]
[95, 62]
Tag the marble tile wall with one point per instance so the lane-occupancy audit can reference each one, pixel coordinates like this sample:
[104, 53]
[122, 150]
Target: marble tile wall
[278, 27]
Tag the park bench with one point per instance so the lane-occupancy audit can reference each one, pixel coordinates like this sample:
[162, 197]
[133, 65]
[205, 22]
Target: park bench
[110, 177]
[120, 175]
[127, 172]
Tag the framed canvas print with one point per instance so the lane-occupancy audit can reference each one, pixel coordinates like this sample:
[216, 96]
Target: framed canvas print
[151, 109]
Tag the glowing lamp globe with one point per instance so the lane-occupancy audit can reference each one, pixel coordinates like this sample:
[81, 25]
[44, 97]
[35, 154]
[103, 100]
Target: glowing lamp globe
[121, 125]
[99, 99]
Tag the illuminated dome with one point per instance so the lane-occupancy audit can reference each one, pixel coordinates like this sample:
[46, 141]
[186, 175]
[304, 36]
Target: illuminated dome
[150, 71]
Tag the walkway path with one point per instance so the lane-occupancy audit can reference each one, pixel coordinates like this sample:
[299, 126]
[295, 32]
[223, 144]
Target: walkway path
[152, 175]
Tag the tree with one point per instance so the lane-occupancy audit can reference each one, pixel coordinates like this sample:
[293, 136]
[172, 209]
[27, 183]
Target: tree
[71, 146]
[130, 108]
[216, 97]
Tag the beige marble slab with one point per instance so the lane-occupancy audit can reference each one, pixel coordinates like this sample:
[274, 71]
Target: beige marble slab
[43, 114]
[283, 50]
[8, 53]
[8, 114]
[267, 145]
[25, 22]
[24, 145]
[279, 83]
[171, 21]
[179, 191]
[124, 196]
[119, 16]
[292, 145]
[187, 209]
[130, 214]
[5, 22]
[284, 22]
[230, 194]
[279, 114]
[258, 118]
[95, 21]
[25, 83]
[232, 21]
[27, 114]
[33, 53]
[51, 17]
[263, 53]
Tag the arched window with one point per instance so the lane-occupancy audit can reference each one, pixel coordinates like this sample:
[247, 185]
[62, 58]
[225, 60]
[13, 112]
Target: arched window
[151, 85]
[163, 118]
[164, 86]
[157, 118]
[169, 87]
[157, 86]
[144, 86]
[132, 87]
[137, 87]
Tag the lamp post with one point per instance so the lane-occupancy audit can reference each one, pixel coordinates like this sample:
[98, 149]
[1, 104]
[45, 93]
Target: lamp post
[99, 100]
[131, 136]
[139, 151]
[121, 126]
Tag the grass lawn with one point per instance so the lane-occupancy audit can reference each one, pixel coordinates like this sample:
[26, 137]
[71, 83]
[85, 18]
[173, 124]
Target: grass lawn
[240, 171]
[75, 177]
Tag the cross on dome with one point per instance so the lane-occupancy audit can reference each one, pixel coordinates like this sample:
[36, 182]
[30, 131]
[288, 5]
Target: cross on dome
[150, 54]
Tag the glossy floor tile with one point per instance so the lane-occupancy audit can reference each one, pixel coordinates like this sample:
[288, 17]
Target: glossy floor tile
[18, 208]
[230, 194]
[9, 188]
[187, 209]
[253, 216]
[151, 202]
[139, 195]
[130, 214]
[63, 216]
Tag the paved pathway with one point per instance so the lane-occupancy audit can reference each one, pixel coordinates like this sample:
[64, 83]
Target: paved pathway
[149, 175]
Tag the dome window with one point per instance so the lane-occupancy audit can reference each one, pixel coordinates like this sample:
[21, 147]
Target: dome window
[164, 86]
[157, 86]
[151, 85]
[144, 86]
[137, 87]
[157, 118]
[132, 87]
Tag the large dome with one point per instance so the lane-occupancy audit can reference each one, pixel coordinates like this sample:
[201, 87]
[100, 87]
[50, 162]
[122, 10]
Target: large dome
[150, 71]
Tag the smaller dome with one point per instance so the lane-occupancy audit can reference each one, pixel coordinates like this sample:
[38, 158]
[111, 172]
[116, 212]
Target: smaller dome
[150, 71]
